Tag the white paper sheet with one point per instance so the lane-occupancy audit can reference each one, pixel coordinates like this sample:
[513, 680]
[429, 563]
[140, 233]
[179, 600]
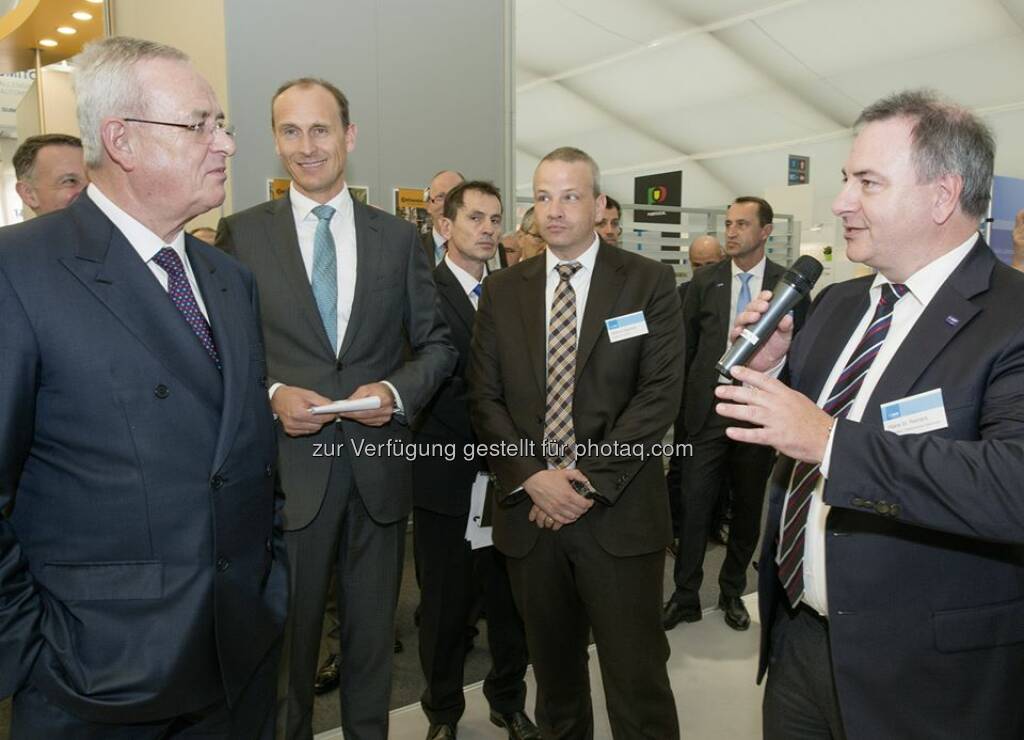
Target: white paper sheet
[478, 536]
[344, 406]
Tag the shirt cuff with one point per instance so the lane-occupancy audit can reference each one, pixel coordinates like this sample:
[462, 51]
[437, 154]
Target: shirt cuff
[826, 459]
[399, 408]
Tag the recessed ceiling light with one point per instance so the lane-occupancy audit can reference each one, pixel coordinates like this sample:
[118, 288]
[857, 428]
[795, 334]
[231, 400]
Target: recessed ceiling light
[96, 2]
[81, 15]
[47, 42]
[66, 30]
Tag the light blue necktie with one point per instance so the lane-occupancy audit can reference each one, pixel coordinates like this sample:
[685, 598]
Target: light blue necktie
[325, 273]
[744, 297]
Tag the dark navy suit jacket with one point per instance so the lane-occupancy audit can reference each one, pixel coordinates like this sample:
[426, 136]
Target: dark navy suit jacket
[925, 538]
[141, 572]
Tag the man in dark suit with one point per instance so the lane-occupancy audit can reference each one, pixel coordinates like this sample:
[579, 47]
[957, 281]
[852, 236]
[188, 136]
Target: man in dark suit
[433, 240]
[891, 584]
[714, 298]
[705, 250]
[349, 311]
[451, 572]
[142, 567]
[577, 418]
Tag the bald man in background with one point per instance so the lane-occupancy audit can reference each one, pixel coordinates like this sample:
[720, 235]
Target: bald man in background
[434, 195]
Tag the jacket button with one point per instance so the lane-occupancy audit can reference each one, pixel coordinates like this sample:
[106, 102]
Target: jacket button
[161, 391]
[857, 501]
[216, 482]
[882, 507]
[269, 545]
[269, 471]
[339, 365]
[894, 510]
[223, 564]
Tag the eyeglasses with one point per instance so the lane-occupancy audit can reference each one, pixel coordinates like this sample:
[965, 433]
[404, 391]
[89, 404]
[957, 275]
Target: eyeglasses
[204, 131]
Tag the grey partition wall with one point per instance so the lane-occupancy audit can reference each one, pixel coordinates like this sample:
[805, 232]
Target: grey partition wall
[427, 81]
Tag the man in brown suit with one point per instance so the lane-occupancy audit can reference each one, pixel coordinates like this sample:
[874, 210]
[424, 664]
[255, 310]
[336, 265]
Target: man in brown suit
[581, 506]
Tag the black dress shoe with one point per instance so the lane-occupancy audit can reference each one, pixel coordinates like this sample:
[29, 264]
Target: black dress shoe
[518, 725]
[441, 732]
[675, 613]
[735, 613]
[327, 677]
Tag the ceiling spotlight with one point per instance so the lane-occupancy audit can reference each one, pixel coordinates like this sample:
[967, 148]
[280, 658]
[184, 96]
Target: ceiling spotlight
[47, 42]
[96, 2]
[81, 15]
[66, 30]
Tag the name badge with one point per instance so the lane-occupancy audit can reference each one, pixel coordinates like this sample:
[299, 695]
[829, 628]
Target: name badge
[924, 412]
[626, 326]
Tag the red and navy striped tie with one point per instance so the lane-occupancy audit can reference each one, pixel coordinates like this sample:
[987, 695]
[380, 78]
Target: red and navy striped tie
[790, 557]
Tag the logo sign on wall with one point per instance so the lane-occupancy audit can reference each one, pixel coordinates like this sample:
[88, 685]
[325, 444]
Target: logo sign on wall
[665, 189]
[799, 170]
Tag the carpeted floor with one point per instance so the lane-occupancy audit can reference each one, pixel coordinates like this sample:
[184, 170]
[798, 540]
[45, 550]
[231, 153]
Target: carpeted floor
[408, 680]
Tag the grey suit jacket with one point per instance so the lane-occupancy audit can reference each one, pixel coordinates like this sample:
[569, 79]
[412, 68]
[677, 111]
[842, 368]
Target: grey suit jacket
[395, 333]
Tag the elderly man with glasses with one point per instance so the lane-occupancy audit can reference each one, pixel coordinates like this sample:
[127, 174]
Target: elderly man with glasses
[141, 553]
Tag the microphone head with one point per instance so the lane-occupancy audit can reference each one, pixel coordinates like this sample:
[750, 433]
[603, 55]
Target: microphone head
[803, 273]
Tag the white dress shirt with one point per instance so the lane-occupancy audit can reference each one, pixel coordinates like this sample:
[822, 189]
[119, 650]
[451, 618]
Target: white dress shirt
[467, 281]
[146, 243]
[343, 229]
[922, 287]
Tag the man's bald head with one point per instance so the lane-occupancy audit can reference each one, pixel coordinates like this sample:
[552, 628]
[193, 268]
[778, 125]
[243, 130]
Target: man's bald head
[705, 250]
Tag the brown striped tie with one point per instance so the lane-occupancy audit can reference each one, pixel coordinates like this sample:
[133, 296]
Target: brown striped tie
[558, 428]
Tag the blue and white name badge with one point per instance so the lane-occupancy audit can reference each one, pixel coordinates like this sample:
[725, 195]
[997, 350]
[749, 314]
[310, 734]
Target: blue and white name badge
[626, 326]
[924, 412]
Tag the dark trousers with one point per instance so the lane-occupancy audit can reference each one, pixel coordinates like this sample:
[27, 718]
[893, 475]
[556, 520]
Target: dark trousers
[568, 585]
[744, 469]
[251, 718]
[800, 700]
[450, 576]
[367, 556]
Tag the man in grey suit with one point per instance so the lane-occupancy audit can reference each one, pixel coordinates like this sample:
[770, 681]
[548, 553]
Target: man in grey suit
[349, 311]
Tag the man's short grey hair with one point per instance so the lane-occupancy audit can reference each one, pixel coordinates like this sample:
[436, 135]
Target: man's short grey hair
[106, 85]
[947, 139]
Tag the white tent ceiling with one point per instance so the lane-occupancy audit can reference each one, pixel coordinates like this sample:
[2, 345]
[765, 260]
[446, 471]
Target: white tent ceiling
[726, 89]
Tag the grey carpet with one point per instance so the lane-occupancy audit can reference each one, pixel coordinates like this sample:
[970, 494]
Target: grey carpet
[408, 679]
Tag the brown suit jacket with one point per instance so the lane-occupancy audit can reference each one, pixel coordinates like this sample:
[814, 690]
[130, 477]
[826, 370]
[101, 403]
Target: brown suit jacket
[626, 392]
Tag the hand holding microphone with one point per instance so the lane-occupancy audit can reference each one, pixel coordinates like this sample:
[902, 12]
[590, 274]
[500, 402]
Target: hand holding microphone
[760, 346]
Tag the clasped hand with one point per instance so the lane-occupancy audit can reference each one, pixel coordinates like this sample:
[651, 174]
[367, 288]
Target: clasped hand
[555, 502]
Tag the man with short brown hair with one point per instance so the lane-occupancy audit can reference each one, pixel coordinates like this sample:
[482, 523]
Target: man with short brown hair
[50, 171]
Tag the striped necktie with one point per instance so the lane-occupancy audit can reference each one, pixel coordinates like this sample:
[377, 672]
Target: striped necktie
[184, 300]
[790, 557]
[325, 274]
[558, 426]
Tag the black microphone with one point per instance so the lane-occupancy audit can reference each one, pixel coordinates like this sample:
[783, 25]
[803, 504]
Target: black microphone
[794, 285]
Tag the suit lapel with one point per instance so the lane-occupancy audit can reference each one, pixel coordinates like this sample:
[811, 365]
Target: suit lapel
[721, 285]
[368, 268]
[932, 332]
[110, 268]
[832, 335]
[451, 291]
[605, 287]
[284, 242]
[228, 323]
[772, 273]
[532, 312]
